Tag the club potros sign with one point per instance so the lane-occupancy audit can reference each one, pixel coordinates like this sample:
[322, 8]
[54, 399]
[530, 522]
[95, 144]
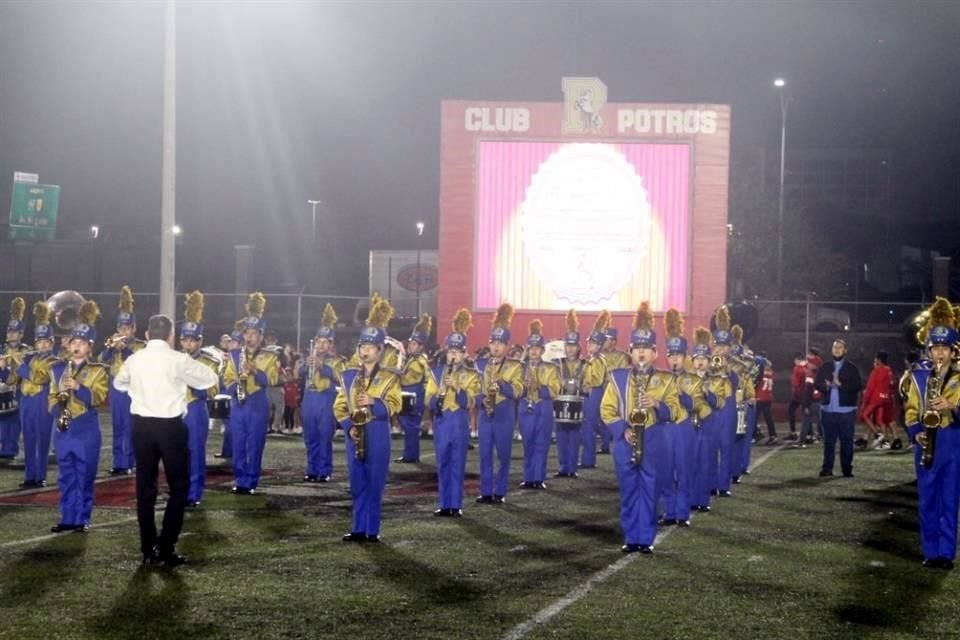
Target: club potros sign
[582, 203]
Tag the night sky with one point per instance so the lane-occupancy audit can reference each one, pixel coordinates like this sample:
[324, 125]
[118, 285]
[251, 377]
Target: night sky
[282, 102]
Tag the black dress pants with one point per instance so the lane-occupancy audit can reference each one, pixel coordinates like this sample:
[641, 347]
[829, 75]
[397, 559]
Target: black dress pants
[156, 440]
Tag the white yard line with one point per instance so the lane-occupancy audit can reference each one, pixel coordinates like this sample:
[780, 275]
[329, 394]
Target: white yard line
[50, 536]
[545, 614]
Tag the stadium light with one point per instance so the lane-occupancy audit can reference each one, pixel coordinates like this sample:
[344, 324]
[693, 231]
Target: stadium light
[780, 83]
[176, 229]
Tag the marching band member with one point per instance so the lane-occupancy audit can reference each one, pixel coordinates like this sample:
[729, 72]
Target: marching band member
[10, 359]
[198, 415]
[35, 416]
[451, 403]
[595, 379]
[369, 395]
[677, 484]
[541, 384]
[614, 359]
[321, 370]
[256, 370]
[119, 347]
[502, 385]
[716, 387]
[78, 387]
[722, 438]
[573, 371]
[638, 403]
[415, 378]
[389, 355]
[234, 342]
[742, 364]
[933, 396]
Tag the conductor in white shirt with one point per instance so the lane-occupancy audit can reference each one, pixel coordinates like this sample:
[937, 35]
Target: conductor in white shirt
[156, 378]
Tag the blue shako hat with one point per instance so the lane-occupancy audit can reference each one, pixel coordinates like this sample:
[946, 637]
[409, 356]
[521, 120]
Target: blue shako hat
[643, 334]
[192, 326]
[42, 329]
[941, 324]
[125, 317]
[461, 324]
[17, 308]
[599, 333]
[572, 336]
[328, 324]
[375, 332]
[256, 303]
[86, 328]
[611, 333]
[721, 335]
[701, 347]
[673, 323]
[535, 338]
[501, 324]
[423, 328]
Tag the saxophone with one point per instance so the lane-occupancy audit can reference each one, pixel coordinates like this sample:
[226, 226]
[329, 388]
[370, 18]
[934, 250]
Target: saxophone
[640, 418]
[442, 391]
[311, 368]
[242, 377]
[932, 418]
[360, 416]
[533, 389]
[490, 397]
[63, 400]
[741, 412]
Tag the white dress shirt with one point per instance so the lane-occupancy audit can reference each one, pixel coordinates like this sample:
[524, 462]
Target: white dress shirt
[157, 377]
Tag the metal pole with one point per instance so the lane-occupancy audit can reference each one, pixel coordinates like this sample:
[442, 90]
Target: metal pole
[418, 279]
[299, 316]
[169, 165]
[783, 155]
[314, 256]
[806, 327]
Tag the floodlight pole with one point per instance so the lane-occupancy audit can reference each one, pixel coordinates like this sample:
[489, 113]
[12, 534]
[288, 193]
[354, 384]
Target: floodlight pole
[169, 165]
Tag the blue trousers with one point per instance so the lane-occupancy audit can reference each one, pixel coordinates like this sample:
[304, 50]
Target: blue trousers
[451, 439]
[536, 427]
[318, 427]
[411, 425]
[496, 437]
[722, 437]
[78, 455]
[938, 496]
[676, 482]
[10, 435]
[638, 485]
[568, 445]
[368, 478]
[838, 425]
[703, 472]
[37, 424]
[591, 425]
[122, 433]
[198, 428]
[743, 445]
[248, 421]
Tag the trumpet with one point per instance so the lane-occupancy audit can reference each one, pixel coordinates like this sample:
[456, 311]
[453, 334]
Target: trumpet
[716, 364]
[63, 400]
[116, 341]
[932, 418]
[640, 418]
[360, 416]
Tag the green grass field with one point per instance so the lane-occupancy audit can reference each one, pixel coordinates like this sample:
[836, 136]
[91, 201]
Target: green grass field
[789, 556]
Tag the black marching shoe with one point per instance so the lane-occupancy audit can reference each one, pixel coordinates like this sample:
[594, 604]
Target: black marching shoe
[724, 493]
[825, 474]
[630, 548]
[702, 508]
[242, 491]
[527, 485]
[171, 559]
[667, 522]
[540, 485]
[646, 549]
[485, 500]
[310, 478]
[354, 537]
[683, 523]
[120, 471]
[193, 504]
[499, 499]
[373, 538]
[62, 528]
[938, 563]
[443, 513]
[402, 460]
[323, 478]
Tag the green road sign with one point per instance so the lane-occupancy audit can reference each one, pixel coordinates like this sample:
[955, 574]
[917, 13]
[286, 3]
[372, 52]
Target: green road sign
[33, 211]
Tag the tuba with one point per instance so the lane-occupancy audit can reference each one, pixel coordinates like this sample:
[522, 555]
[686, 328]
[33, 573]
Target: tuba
[932, 419]
[640, 418]
[360, 416]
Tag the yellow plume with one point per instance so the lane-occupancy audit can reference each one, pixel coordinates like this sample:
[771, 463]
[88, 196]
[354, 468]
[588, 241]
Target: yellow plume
[462, 321]
[941, 314]
[89, 312]
[723, 318]
[504, 316]
[573, 322]
[602, 322]
[329, 319]
[194, 307]
[256, 303]
[126, 299]
[673, 321]
[644, 318]
[41, 312]
[736, 332]
[238, 325]
[17, 308]
[956, 315]
[536, 327]
[702, 336]
[380, 314]
[424, 325]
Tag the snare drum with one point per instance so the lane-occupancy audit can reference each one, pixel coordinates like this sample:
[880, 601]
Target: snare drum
[8, 400]
[568, 410]
[219, 407]
[409, 403]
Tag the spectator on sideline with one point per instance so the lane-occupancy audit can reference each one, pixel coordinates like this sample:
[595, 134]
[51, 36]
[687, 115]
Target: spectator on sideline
[810, 399]
[877, 406]
[840, 384]
[764, 391]
[796, 391]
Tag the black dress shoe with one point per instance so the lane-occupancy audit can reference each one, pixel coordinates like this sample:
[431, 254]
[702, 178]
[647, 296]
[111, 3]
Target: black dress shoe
[242, 491]
[193, 504]
[120, 471]
[848, 474]
[646, 549]
[825, 474]
[456, 513]
[736, 479]
[526, 485]
[724, 493]
[172, 559]
[540, 485]
[373, 538]
[61, 528]
[683, 523]
[560, 474]
[485, 500]
[938, 563]
[443, 513]
[746, 472]
[323, 478]
[499, 499]
[403, 460]
[310, 478]
[354, 537]
[630, 548]
[667, 522]
[702, 508]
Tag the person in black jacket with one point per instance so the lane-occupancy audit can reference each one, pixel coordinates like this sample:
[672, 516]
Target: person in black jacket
[839, 383]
